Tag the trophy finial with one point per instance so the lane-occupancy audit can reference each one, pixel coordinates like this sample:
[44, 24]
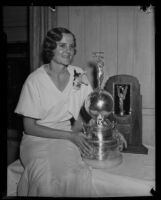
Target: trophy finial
[100, 65]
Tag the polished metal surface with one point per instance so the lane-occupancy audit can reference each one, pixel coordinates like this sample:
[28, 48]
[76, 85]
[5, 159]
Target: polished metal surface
[99, 105]
[99, 102]
[102, 141]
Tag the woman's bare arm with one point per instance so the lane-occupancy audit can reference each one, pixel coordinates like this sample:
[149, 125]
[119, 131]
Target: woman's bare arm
[32, 128]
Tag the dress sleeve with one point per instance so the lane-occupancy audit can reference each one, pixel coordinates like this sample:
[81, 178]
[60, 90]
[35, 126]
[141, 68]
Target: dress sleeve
[29, 103]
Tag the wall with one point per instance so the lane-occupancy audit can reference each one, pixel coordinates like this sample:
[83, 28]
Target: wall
[126, 36]
[15, 23]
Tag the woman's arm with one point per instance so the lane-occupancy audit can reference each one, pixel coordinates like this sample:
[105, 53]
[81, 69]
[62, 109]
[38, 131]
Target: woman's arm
[32, 128]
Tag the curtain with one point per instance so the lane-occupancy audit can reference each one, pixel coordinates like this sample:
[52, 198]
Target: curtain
[41, 19]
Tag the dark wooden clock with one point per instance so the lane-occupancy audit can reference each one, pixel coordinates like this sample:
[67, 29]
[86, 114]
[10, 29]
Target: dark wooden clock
[127, 111]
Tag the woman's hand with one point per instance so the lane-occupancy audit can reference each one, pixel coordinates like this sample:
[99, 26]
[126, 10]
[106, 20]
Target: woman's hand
[80, 140]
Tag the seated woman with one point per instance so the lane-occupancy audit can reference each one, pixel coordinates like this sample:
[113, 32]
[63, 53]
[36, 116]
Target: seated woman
[50, 150]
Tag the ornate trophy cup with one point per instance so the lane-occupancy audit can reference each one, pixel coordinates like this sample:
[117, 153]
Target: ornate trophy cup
[101, 132]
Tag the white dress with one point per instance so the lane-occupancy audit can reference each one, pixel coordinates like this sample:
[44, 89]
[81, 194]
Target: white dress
[53, 167]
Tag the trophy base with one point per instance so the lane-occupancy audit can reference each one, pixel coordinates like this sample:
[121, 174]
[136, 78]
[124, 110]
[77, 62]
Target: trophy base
[104, 164]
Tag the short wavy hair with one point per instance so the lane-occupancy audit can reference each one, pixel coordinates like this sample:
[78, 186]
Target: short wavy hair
[49, 44]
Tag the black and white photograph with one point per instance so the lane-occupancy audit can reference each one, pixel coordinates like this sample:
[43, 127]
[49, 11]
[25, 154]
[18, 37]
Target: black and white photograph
[80, 100]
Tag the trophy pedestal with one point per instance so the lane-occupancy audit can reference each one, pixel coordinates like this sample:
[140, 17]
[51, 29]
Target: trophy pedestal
[139, 149]
[129, 122]
[113, 161]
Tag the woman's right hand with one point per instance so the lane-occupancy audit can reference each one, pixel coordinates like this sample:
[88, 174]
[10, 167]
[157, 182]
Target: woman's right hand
[80, 140]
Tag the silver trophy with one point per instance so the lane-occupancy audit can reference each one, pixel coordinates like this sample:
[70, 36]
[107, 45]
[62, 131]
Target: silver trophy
[100, 131]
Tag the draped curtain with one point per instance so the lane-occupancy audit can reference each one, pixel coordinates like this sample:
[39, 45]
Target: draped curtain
[41, 19]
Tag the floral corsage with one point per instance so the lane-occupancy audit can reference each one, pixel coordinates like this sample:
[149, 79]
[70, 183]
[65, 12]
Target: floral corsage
[79, 80]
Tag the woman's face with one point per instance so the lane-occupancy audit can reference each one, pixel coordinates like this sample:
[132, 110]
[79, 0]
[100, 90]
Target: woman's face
[64, 52]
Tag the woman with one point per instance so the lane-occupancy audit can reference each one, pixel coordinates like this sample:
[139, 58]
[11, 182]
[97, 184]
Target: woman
[51, 150]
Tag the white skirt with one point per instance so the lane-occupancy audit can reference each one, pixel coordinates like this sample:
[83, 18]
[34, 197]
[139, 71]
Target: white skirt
[54, 167]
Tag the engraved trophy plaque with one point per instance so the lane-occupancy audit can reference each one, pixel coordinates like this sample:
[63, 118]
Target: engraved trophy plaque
[99, 105]
[127, 110]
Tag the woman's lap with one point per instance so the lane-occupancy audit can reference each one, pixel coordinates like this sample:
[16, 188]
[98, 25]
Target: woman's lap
[54, 166]
[59, 153]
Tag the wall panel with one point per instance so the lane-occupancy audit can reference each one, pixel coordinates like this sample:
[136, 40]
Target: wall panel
[149, 126]
[144, 66]
[125, 40]
[62, 16]
[108, 39]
